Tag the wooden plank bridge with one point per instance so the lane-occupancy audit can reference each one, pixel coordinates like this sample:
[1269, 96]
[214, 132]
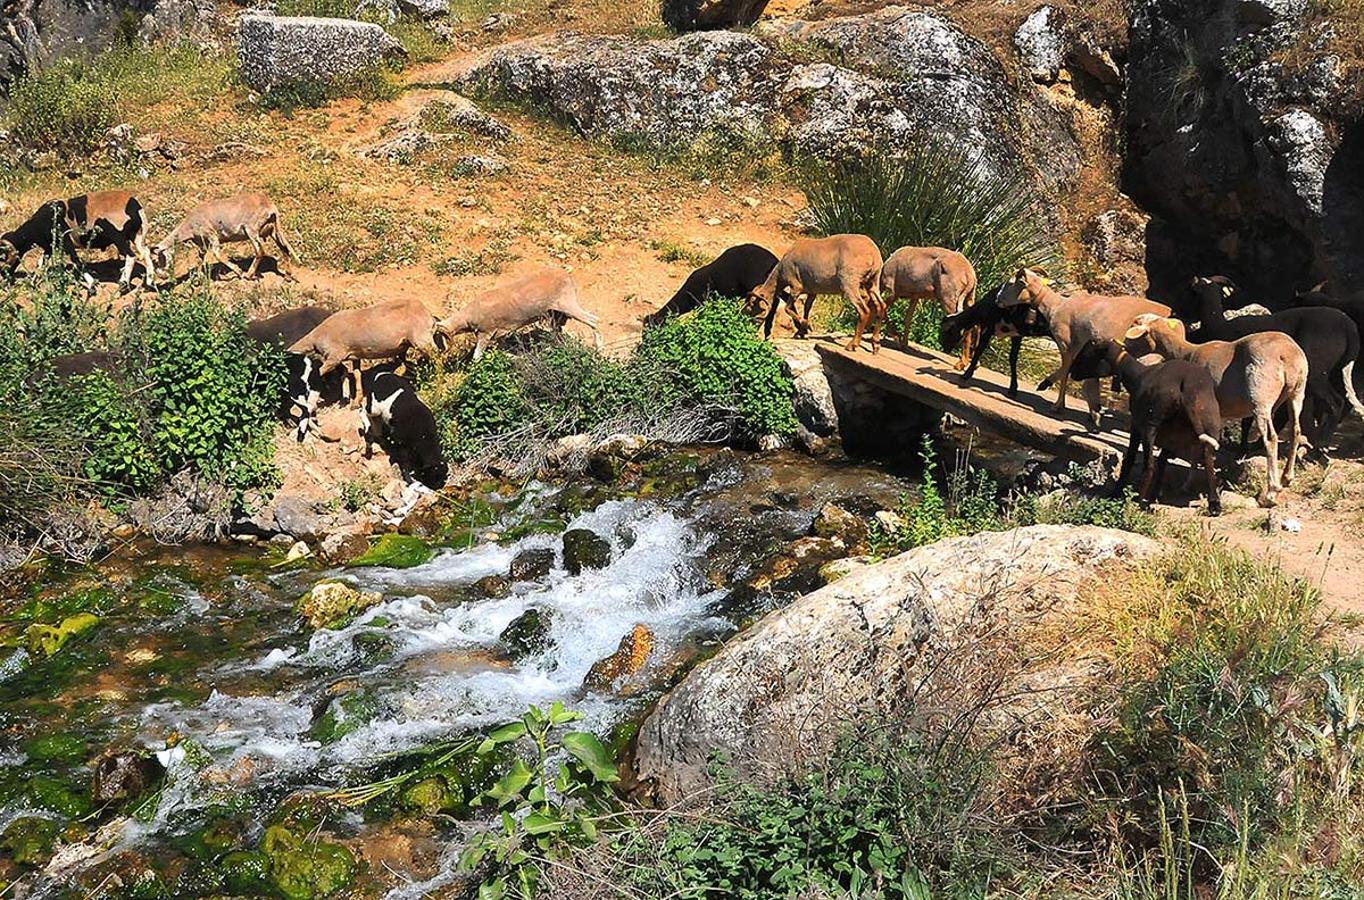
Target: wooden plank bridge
[928, 377]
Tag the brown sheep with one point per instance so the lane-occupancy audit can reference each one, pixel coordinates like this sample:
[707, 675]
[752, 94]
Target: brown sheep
[932, 273]
[244, 217]
[545, 293]
[847, 264]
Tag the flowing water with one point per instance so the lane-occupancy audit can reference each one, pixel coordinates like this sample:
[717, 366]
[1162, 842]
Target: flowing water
[202, 649]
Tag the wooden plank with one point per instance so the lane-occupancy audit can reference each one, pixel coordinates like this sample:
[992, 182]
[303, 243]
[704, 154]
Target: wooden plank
[928, 377]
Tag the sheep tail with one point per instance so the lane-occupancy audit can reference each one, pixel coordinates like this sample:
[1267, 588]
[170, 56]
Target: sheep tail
[1210, 441]
[1349, 375]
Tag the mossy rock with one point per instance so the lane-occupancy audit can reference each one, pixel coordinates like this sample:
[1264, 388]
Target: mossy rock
[395, 551]
[430, 796]
[528, 634]
[334, 604]
[305, 868]
[246, 873]
[531, 564]
[493, 587]
[373, 645]
[584, 549]
[30, 839]
[48, 640]
[57, 796]
[344, 715]
[62, 748]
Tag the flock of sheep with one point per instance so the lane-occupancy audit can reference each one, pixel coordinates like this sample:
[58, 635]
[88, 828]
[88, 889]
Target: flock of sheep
[1290, 370]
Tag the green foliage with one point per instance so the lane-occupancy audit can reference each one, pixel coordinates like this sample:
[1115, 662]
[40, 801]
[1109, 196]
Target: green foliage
[935, 196]
[543, 811]
[374, 85]
[213, 391]
[396, 551]
[573, 388]
[890, 815]
[48, 640]
[715, 358]
[489, 401]
[1071, 508]
[111, 424]
[64, 109]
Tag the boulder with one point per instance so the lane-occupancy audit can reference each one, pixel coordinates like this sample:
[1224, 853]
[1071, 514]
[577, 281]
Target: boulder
[480, 165]
[280, 50]
[531, 565]
[493, 586]
[448, 115]
[584, 549]
[1252, 160]
[529, 633]
[1041, 44]
[833, 521]
[697, 15]
[630, 656]
[333, 604]
[344, 544]
[124, 775]
[779, 691]
[425, 9]
[298, 517]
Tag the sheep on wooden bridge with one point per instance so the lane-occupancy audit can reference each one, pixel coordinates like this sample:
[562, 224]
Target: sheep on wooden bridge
[846, 264]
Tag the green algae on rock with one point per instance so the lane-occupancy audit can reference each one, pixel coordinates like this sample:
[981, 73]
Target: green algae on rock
[304, 867]
[49, 639]
[395, 551]
[334, 604]
[29, 839]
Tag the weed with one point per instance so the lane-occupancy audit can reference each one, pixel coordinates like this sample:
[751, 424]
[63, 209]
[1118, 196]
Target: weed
[374, 85]
[934, 196]
[672, 251]
[495, 256]
[65, 109]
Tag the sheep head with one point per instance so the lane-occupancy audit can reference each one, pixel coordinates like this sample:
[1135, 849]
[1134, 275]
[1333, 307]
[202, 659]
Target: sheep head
[1149, 332]
[455, 323]
[1025, 288]
[9, 255]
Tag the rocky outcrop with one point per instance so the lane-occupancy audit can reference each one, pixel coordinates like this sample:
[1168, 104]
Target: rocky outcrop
[280, 50]
[780, 691]
[696, 15]
[903, 74]
[1250, 167]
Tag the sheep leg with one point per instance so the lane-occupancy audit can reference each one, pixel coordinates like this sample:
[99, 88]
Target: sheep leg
[1015, 345]
[259, 247]
[879, 310]
[802, 325]
[1294, 431]
[1129, 458]
[1265, 419]
[367, 432]
[771, 314]
[1094, 397]
[863, 317]
[217, 249]
[1210, 467]
[1158, 486]
[481, 346]
[125, 276]
[1148, 473]
[1062, 379]
[144, 253]
[589, 319]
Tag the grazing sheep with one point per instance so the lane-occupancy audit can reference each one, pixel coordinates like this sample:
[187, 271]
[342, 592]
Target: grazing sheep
[304, 389]
[1174, 407]
[288, 327]
[243, 217]
[94, 221]
[847, 264]
[1255, 375]
[1074, 321]
[547, 293]
[932, 273]
[72, 365]
[396, 415]
[1328, 337]
[989, 319]
[734, 273]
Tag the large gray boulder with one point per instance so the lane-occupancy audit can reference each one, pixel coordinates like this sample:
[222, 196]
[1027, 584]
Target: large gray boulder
[279, 50]
[1249, 158]
[903, 74]
[781, 691]
[695, 15]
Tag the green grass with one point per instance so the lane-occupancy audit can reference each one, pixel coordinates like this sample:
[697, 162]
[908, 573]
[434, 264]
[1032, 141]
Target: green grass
[934, 196]
[672, 251]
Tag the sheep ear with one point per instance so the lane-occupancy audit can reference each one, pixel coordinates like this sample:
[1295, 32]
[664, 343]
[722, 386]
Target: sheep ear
[1226, 290]
[1135, 332]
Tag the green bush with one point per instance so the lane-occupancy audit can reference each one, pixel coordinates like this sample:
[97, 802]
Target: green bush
[63, 109]
[118, 448]
[933, 195]
[213, 392]
[573, 388]
[488, 403]
[714, 358]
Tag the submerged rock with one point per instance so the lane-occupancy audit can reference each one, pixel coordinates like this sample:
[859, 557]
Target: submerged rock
[333, 604]
[531, 565]
[48, 640]
[833, 521]
[395, 551]
[584, 549]
[494, 586]
[124, 775]
[29, 839]
[633, 652]
[304, 867]
[779, 691]
[528, 634]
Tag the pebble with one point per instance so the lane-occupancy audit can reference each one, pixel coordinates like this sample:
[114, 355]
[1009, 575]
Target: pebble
[712, 221]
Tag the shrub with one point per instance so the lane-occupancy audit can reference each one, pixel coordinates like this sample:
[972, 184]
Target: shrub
[714, 358]
[572, 388]
[63, 109]
[934, 195]
[118, 449]
[489, 402]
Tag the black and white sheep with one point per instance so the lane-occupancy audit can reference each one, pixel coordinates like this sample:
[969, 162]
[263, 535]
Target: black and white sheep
[393, 413]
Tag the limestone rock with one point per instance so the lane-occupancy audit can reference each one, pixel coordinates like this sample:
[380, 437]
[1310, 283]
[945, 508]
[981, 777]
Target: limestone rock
[764, 700]
[481, 165]
[696, 15]
[298, 518]
[633, 652]
[452, 114]
[833, 521]
[331, 604]
[280, 50]
[1041, 44]
[426, 9]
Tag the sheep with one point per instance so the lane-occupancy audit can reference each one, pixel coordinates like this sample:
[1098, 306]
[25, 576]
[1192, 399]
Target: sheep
[383, 331]
[1254, 375]
[544, 293]
[394, 413]
[1075, 320]
[847, 264]
[734, 273]
[932, 273]
[304, 389]
[1328, 337]
[1350, 304]
[989, 319]
[72, 365]
[93, 221]
[243, 217]
[1174, 407]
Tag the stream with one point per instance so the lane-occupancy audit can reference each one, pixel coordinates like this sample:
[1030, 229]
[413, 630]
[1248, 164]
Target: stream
[199, 654]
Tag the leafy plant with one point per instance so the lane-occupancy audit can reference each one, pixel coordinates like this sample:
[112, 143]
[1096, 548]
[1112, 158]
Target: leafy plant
[540, 816]
[65, 109]
[119, 454]
[489, 401]
[934, 195]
